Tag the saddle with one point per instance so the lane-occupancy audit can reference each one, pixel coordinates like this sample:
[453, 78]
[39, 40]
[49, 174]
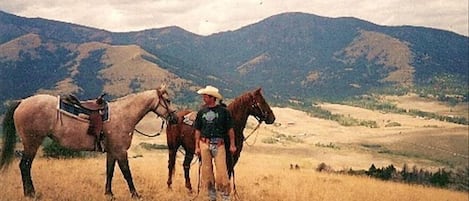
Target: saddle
[94, 110]
[92, 105]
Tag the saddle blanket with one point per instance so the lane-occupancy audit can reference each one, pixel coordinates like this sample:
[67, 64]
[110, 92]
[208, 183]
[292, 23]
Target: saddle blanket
[80, 112]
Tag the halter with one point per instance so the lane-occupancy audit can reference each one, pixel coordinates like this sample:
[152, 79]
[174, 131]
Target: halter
[256, 106]
[165, 104]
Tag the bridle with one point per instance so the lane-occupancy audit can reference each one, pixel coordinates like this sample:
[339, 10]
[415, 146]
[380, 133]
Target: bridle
[162, 101]
[260, 114]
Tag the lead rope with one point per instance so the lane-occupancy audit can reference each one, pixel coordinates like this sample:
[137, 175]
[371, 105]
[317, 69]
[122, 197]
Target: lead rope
[193, 162]
[151, 135]
[198, 180]
[252, 132]
[235, 193]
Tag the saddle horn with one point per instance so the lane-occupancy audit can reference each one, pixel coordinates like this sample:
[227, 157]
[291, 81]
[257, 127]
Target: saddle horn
[100, 99]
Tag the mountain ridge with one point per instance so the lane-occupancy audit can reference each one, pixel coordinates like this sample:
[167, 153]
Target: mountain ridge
[291, 56]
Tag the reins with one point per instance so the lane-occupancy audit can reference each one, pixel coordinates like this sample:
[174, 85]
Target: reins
[252, 132]
[183, 153]
[165, 105]
[151, 135]
[198, 179]
[235, 192]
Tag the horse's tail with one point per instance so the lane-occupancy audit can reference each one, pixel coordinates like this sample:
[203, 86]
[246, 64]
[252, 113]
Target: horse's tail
[9, 137]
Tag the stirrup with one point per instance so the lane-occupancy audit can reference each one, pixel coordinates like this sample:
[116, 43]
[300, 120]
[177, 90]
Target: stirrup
[102, 146]
[99, 146]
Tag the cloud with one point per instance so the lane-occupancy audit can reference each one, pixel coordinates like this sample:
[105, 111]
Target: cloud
[207, 16]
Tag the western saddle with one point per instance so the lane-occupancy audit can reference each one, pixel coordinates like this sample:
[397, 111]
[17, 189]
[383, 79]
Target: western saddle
[95, 108]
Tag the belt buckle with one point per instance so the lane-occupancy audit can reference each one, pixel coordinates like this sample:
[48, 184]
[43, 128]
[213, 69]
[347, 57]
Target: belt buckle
[214, 140]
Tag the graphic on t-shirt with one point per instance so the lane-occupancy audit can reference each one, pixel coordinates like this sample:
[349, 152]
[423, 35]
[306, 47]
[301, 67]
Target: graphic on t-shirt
[210, 116]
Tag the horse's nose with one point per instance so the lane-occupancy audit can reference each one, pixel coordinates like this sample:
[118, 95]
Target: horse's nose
[172, 118]
[270, 120]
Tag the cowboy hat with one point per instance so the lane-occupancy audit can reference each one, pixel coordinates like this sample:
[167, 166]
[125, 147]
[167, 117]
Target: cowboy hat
[210, 90]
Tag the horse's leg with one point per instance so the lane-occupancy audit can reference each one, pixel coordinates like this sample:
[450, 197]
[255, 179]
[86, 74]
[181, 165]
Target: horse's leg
[125, 169]
[187, 166]
[171, 162]
[30, 150]
[110, 164]
[231, 160]
[25, 167]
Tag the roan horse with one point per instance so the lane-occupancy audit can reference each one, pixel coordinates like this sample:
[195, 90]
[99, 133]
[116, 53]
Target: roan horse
[37, 117]
[182, 134]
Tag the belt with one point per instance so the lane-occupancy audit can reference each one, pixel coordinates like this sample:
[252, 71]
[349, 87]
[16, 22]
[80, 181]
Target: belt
[217, 141]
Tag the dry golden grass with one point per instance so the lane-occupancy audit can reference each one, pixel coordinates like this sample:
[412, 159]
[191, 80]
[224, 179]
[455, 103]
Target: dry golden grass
[381, 48]
[258, 177]
[263, 172]
[413, 101]
[127, 64]
[11, 49]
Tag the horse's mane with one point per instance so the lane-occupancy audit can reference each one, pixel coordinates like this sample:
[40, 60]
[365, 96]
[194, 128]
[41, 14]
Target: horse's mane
[130, 96]
[239, 103]
[161, 89]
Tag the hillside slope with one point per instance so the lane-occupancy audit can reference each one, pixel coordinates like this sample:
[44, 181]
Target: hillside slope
[291, 56]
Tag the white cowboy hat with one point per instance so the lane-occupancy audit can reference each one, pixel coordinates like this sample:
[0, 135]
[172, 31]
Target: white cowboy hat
[210, 90]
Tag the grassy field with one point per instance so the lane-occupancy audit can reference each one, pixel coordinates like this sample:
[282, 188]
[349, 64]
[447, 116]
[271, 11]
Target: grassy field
[258, 177]
[263, 172]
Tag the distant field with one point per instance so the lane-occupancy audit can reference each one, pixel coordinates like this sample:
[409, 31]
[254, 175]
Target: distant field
[414, 102]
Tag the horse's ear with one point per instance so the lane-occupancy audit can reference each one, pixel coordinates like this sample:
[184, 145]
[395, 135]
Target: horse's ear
[259, 90]
[162, 87]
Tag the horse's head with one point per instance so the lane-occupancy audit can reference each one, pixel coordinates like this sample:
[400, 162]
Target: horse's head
[260, 109]
[163, 106]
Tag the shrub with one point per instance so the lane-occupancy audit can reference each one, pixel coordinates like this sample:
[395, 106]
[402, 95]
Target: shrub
[393, 124]
[330, 145]
[53, 149]
[269, 140]
[322, 167]
[149, 146]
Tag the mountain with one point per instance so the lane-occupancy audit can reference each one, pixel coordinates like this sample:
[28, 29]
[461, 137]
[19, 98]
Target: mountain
[291, 56]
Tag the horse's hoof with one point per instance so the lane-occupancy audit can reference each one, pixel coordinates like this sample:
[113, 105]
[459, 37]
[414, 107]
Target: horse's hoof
[33, 196]
[136, 196]
[110, 197]
[189, 186]
[189, 191]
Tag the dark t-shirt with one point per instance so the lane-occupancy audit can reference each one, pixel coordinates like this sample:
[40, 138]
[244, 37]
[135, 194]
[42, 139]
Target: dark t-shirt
[213, 122]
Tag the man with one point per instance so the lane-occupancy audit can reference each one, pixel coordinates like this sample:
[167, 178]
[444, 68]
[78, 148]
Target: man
[212, 124]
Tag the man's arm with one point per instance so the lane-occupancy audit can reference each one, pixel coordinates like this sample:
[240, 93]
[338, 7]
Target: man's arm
[197, 142]
[232, 140]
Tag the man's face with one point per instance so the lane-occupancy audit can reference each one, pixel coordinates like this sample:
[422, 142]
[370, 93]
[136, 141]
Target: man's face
[208, 99]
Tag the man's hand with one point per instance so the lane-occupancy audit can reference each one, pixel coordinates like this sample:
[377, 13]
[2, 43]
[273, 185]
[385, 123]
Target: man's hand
[231, 134]
[197, 151]
[232, 149]
[197, 142]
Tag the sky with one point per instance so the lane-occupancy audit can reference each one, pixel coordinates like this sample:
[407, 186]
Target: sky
[205, 17]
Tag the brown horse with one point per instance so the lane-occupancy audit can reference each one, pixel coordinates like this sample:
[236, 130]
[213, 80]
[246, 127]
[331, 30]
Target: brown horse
[37, 117]
[182, 134]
